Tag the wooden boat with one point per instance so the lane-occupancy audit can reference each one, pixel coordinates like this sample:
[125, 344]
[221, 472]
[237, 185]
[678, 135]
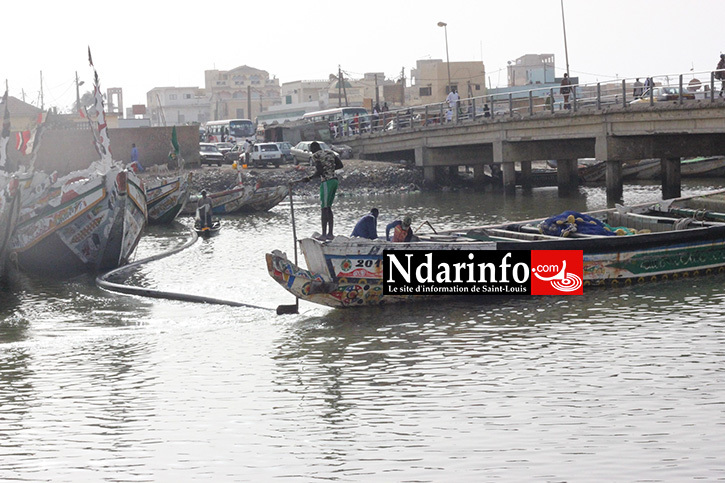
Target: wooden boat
[702, 167]
[208, 231]
[89, 220]
[241, 199]
[9, 210]
[166, 197]
[677, 238]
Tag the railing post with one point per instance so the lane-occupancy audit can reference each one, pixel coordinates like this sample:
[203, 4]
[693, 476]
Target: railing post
[573, 96]
[599, 96]
[441, 118]
[473, 109]
[712, 86]
[531, 103]
[493, 106]
[652, 93]
[397, 120]
[624, 93]
[551, 94]
[425, 122]
[511, 105]
[679, 96]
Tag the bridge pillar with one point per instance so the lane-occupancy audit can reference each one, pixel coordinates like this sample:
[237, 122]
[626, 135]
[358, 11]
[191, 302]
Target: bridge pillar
[566, 176]
[671, 178]
[526, 178]
[430, 174]
[509, 176]
[615, 185]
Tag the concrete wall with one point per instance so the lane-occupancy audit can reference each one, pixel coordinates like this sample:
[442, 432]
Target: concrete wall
[65, 151]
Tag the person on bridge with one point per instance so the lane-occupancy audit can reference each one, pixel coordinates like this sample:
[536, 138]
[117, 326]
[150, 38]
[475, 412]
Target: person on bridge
[326, 161]
[720, 73]
[637, 93]
[565, 90]
[367, 226]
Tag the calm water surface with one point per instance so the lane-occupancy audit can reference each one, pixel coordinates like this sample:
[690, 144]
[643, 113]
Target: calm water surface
[621, 384]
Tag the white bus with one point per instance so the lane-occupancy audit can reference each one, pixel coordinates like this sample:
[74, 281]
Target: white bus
[341, 120]
[233, 130]
[337, 114]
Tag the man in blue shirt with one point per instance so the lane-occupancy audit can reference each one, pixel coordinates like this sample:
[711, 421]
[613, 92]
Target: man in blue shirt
[366, 227]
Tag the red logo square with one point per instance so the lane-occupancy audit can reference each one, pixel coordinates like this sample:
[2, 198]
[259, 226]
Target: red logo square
[557, 272]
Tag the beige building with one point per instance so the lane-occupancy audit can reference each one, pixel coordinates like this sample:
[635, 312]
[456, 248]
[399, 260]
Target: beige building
[430, 79]
[243, 92]
[531, 69]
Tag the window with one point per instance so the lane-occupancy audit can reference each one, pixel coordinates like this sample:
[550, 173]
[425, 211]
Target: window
[426, 91]
[187, 96]
[172, 97]
[477, 87]
[288, 100]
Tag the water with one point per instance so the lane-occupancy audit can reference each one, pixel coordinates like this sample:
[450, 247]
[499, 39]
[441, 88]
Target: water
[621, 384]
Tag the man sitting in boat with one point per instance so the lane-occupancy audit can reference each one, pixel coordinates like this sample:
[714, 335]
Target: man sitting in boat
[402, 232]
[367, 226]
[205, 209]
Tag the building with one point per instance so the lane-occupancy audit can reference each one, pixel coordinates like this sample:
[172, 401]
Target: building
[305, 92]
[241, 93]
[430, 80]
[167, 106]
[531, 69]
[23, 116]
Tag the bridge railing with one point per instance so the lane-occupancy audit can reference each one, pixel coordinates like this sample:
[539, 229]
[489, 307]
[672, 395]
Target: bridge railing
[540, 101]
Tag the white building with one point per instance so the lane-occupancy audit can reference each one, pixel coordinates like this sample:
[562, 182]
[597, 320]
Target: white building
[169, 106]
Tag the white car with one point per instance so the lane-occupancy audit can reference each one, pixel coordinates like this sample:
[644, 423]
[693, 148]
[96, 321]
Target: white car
[264, 153]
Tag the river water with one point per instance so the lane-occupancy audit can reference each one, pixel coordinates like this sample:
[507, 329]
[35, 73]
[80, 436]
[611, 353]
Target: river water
[620, 384]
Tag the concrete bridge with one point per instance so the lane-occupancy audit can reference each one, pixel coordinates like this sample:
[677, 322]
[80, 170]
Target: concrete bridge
[668, 131]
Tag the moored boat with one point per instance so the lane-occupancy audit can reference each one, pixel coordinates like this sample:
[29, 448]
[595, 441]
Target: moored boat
[90, 220]
[672, 239]
[166, 197]
[241, 199]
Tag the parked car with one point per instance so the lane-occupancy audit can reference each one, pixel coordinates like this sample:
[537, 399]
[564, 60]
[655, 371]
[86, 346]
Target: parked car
[343, 150]
[286, 149]
[663, 94]
[264, 153]
[301, 151]
[224, 148]
[209, 154]
[234, 154]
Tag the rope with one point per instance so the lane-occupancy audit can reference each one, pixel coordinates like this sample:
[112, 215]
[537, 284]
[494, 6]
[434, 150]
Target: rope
[102, 281]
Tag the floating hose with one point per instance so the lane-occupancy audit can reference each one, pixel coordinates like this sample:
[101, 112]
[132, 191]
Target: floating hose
[102, 281]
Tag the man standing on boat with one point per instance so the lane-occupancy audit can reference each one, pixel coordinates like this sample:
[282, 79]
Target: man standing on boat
[205, 208]
[326, 162]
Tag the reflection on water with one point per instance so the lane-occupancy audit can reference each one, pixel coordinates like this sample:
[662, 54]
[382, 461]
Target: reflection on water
[618, 382]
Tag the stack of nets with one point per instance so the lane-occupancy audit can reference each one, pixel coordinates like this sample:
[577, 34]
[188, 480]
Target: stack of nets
[574, 222]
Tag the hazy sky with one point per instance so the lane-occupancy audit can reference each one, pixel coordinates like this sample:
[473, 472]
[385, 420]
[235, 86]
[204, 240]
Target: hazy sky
[139, 45]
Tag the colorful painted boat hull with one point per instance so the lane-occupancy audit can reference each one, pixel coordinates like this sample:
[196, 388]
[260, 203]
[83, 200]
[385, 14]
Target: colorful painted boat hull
[9, 210]
[90, 224]
[348, 272]
[242, 199]
[166, 198]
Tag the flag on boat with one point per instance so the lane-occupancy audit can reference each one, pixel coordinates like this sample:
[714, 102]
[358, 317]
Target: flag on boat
[5, 136]
[174, 141]
[97, 117]
[27, 140]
